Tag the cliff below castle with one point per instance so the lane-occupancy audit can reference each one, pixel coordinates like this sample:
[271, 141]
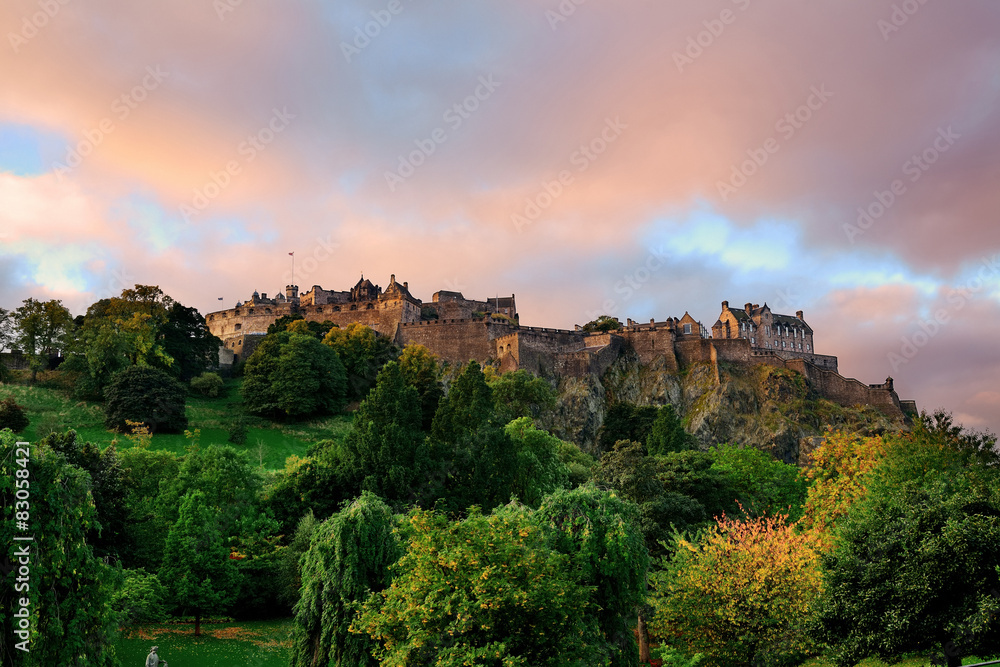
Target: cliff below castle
[762, 406]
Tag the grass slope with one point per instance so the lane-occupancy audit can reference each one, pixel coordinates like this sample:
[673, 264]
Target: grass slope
[269, 444]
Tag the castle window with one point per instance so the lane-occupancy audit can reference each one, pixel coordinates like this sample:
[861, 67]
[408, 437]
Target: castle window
[267, 310]
[336, 309]
[237, 327]
[237, 311]
[800, 346]
[369, 307]
[753, 341]
[687, 328]
[807, 347]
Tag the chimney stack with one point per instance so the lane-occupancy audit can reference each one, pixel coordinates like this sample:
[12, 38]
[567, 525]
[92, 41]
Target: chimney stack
[748, 307]
[798, 314]
[725, 305]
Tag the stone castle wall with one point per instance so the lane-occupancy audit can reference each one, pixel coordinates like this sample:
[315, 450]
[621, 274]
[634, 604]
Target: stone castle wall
[455, 341]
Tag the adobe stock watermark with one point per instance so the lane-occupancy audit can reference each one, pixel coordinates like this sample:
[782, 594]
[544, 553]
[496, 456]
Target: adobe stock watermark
[911, 345]
[364, 34]
[916, 166]
[562, 12]
[899, 17]
[698, 43]
[322, 251]
[32, 25]
[121, 108]
[631, 283]
[582, 158]
[454, 116]
[248, 149]
[786, 127]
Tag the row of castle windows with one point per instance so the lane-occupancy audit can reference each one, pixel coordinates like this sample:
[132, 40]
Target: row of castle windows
[784, 345]
[790, 332]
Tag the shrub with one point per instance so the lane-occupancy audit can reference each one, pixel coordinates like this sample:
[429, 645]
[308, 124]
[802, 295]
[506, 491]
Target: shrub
[147, 395]
[12, 415]
[207, 384]
[238, 431]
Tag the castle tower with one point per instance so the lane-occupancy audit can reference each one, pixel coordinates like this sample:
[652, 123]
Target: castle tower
[292, 292]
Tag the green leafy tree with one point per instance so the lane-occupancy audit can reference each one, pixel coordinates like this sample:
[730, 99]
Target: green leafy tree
[667, 433]
[602, 323]
[124, 331]
[537, 466]
[692, 473]
[70, 590]
[625, 421]
[639, 478]
[600, 533]
[7, 335]
[386, 447]
[293, 375]
[349, 557]
[186, 339]
[208, 384]
[916, 556]
[42, 330]
[363, 353]
[108, 534]
[285, 322]
[140, 599]
[227, 480]
[764, 485]
[291, 559]
[521, 394]
[199, 574]
[467, 406]
[146, 527]
[421, 370]
[488, 590]
[148, 395]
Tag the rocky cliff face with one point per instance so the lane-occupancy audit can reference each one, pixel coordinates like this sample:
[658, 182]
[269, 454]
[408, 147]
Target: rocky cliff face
[764, 407]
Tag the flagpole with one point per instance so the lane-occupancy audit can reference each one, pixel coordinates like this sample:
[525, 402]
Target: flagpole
[293, 267]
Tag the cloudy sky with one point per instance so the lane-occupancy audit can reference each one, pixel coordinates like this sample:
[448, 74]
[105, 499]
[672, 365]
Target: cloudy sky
[633, 157]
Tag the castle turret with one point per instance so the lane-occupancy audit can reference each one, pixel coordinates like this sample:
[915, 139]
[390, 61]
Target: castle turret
[292, 292]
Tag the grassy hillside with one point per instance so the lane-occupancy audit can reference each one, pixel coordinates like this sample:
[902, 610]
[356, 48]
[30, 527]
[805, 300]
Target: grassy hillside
[52, 409]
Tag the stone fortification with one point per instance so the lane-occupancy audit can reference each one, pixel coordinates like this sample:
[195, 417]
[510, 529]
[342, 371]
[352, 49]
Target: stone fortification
[458, 329]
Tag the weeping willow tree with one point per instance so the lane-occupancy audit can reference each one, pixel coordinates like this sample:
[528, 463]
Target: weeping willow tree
[349, 557]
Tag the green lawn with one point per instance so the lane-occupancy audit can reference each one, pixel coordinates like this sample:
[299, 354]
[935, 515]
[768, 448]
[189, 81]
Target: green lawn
[249, 644]
[268, 443]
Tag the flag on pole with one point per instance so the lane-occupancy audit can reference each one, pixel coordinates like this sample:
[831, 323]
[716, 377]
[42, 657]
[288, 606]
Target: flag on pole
[220, 298]
[291, 253]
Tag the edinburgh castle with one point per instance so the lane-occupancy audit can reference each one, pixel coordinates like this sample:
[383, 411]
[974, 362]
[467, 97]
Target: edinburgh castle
[458, 329]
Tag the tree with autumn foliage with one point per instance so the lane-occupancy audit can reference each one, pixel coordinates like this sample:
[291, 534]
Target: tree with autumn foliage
[838, 477]
[740, 593]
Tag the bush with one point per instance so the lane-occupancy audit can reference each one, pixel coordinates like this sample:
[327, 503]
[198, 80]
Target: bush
[140, 599]
[12, 415]
[207, 384]
[147, 395]
[238, 431]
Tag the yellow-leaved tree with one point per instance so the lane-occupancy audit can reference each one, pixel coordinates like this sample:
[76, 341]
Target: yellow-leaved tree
[740, 593]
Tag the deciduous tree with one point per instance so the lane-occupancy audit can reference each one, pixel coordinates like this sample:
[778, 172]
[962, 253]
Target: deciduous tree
[349, 558]
[200, 576]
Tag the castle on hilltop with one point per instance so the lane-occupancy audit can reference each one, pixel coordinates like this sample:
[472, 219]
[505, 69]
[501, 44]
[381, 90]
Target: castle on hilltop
[458, 329]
